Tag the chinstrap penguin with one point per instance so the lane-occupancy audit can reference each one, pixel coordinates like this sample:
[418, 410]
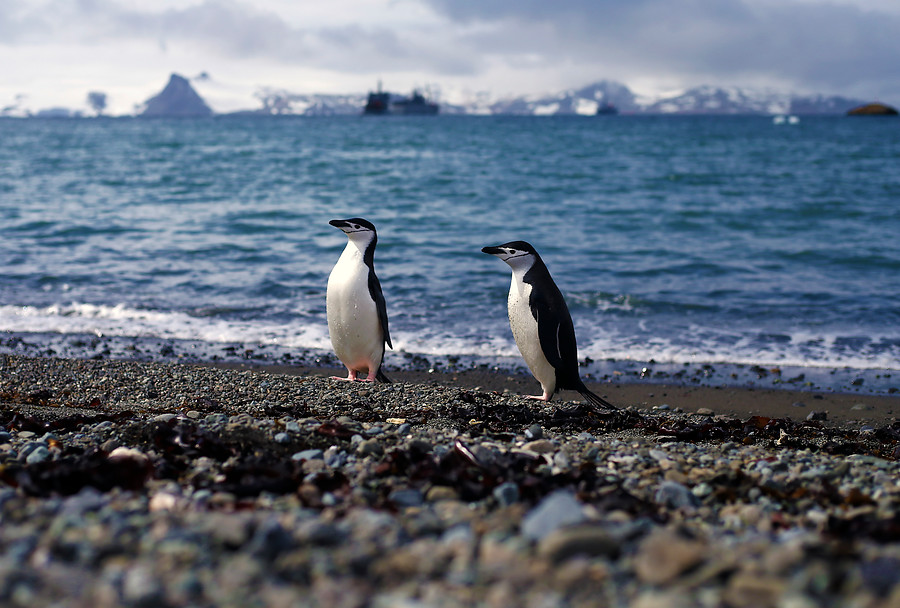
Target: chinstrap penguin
[354, 304]
[541, 323]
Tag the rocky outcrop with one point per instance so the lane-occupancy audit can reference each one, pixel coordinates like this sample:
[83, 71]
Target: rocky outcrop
[873, 109]
[177, 100]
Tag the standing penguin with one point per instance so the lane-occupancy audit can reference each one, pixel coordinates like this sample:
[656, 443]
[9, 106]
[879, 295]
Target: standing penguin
[541, 323]
[354, 304]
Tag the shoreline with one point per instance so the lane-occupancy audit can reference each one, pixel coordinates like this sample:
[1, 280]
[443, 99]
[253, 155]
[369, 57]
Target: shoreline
[804, 381]
[849, 410]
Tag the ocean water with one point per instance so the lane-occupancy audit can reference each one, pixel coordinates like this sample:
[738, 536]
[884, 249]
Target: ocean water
[714, 249]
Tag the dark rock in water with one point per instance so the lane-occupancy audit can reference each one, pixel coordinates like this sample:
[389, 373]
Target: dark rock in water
[178, 99]
[873, 109]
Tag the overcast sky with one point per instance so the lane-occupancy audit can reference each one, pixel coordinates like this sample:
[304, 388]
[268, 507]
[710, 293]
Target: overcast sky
[54, 52]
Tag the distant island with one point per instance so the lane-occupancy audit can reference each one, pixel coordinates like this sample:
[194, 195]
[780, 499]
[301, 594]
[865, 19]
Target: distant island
[179, 98]
[873, 109]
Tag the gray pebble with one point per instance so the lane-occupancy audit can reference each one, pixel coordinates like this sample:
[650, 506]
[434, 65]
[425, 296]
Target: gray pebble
[534, 432]
[314, 454]
[282, 438]
[335, 457]
[406, 498]
[676, 496]
[506, 493]
[141, 587]
[39, 454]
[216, 419]
[556, 510]
[370, 447]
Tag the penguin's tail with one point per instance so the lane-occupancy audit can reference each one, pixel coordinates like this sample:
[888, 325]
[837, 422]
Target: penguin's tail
[594, 399]
[381, 377]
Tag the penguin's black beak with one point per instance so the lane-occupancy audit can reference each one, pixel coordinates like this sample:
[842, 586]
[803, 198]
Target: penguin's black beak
[491, 250]
[339, 223]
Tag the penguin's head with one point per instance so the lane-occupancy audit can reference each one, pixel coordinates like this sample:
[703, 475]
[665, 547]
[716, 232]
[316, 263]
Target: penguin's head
[518, 254]
[356, 228]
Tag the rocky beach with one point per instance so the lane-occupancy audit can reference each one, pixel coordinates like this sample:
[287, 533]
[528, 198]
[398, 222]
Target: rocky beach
[162, 484]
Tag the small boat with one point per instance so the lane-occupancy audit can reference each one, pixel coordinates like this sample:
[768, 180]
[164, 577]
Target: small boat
[381, 103]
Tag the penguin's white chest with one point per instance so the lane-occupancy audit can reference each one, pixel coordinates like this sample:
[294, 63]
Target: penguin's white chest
[353, 323]
[525, 331]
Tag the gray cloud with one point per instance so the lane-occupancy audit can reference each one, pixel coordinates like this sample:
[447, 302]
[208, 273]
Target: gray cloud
[233, 29]
[814, 45]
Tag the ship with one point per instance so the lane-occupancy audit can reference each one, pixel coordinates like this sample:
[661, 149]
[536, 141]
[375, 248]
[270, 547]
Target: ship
[607, 109]
[383, 103]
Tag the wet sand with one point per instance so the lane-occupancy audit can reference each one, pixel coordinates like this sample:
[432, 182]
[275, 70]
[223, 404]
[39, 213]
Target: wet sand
[841, 409]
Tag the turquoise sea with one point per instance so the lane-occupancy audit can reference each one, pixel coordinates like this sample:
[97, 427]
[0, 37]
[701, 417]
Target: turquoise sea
[712, 249]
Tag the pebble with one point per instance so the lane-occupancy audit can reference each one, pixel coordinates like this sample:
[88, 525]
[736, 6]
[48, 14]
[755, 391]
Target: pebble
[312, 454]
[369, 447]
[38, 454]
[540, 446]
[406, 498]
[580, 540]
[558, 509]
[664, 555]
[434, 510]
[506, 493]
[676, 496]
[534, 432]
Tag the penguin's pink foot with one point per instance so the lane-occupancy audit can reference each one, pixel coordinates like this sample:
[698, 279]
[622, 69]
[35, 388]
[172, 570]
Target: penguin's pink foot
[538, 397]
[351, 376]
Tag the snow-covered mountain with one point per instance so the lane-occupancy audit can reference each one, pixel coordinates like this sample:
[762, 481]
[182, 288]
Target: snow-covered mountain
[584, 101]
[697, 100]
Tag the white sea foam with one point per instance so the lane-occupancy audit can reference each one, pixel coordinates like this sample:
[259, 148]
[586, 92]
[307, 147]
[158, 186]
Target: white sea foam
[120, 320]
[801, 350]
[693, 345]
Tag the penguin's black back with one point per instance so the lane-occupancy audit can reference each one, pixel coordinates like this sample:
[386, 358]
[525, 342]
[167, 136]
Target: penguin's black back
[375, 285]
[555, 328]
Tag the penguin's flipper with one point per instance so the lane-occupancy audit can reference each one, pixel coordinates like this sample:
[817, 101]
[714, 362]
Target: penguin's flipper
[380, 306]
[381, 377]
[555, 332]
